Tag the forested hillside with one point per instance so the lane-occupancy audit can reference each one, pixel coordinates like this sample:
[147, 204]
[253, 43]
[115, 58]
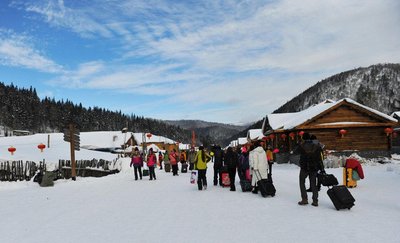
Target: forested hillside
[22, 109]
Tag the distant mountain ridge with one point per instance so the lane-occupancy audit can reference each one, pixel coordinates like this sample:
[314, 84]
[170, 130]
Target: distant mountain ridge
[215, 132]
[376, 86]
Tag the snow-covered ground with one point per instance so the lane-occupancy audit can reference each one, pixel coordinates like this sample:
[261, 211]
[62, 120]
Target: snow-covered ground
[117, 208]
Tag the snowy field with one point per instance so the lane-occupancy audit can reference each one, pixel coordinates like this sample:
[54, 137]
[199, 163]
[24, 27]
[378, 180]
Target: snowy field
[117, 208]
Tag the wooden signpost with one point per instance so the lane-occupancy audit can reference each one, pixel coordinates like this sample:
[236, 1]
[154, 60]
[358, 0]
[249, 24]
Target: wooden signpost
[71, 135]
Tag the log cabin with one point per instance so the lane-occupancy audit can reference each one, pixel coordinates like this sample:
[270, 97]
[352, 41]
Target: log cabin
[343, 127]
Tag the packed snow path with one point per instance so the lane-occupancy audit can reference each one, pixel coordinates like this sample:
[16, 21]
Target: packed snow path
[117, 208]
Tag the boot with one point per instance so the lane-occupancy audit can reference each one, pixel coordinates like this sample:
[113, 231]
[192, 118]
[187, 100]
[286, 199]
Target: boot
[303, 202]
[315, 203]
[255, 190]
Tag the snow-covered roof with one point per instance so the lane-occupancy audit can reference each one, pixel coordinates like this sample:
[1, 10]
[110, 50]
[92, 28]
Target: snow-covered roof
[254, 134]
[233, 143]
[103, 139]
[286, 121]
[184, 146]
[395, 114]
[139, 137]
[242, 141]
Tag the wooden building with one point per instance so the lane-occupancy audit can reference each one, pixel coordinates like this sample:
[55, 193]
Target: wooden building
[343, 127]
[396, 134]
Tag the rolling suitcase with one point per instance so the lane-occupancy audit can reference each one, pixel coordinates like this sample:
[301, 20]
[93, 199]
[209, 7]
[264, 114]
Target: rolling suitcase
[226, 181]
[348, 178]
[184, 168]
[145, 172]
[341, 197]
[245, 185]
[265, 186]
[167, 167]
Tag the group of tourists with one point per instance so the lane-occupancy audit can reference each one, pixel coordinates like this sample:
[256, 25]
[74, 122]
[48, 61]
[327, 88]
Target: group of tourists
[154, 159]
[252, 164]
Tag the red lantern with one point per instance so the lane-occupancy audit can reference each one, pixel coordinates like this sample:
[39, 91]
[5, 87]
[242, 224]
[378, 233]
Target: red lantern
[265, 138]
[272, 136]
[342, 132]
[388, 131]
[12, 150]
[292, 135]
[148, 135]
[301, 133]
[41, 146]
[283, 136]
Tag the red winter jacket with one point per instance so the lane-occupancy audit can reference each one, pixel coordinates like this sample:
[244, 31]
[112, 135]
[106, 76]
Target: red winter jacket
[151, 160]
[136, 161]
[173, 158]
[355, 165]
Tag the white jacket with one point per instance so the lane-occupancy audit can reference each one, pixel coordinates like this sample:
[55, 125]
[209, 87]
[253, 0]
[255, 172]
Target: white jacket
[258, 161]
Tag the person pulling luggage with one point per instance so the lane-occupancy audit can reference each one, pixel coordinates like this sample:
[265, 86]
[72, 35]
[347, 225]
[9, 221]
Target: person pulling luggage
[310, 163]
[259, 165]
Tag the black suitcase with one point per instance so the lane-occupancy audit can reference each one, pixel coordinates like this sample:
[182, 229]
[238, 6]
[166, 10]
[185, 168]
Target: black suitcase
[145, 172]
[341, 197]
[327, 179]
[184, 168]
[245, 185]
[167, 167]
[266, 187]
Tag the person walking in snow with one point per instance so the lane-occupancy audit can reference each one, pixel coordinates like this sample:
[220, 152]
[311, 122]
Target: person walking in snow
[201, 160]
[243, 164]
[320, 158]
[160, 159]
[182, 159]
[137, 163]
[151, 163]
[259, 165]
[191, 158]
[218, 162]
[310, 163]
[173, 159]
[231, 161]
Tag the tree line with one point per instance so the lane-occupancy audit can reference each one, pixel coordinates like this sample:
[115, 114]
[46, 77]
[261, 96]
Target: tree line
[22, 109]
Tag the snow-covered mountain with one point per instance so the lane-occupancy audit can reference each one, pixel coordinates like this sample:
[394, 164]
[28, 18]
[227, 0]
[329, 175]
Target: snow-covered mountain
[376, 86]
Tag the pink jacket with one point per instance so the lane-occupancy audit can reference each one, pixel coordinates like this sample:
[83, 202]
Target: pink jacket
[173, 158]
[136, 161]
[151, 160]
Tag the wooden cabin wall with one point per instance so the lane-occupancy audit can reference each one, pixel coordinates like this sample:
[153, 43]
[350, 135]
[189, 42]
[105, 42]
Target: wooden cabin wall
[343, 113]
[355, 139]
[362, 139]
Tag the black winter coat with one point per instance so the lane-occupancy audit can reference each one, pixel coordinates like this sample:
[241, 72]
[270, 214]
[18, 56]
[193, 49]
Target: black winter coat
[310, 156]
[231, 160]
[218, 158]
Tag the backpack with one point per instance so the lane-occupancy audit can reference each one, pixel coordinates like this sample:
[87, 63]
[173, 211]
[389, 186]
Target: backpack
[310, 156]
